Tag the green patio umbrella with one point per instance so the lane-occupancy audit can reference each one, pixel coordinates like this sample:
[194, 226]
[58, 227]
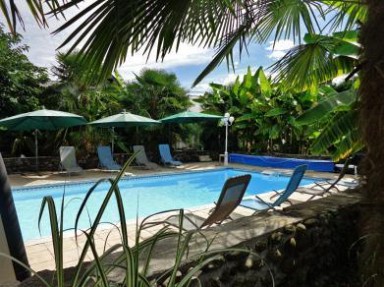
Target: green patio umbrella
[42, 120]
[122, 120]
[190, 117]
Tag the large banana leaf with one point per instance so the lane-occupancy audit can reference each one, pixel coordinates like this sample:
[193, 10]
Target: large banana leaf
[275, 112]
[343, 43]
[264, 83]
[332, 102]
[342, 133]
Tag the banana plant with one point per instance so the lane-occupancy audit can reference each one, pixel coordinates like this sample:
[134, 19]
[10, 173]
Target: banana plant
[265, 112]
[335, 116]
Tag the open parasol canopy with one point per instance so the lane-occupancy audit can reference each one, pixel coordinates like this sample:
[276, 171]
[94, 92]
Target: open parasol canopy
[42, 120]
[122, 120]
[190, 117]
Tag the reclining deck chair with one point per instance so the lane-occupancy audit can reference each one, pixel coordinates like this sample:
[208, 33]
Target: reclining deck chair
[68, 160]
[326, 186]
[106, 159]
[230, 197]
[142, 159]
[166, 157]
[261, 205]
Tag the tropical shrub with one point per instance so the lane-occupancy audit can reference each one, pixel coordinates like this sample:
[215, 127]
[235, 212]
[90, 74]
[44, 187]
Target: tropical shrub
[155, 94]
[265, 113]
[21, 87]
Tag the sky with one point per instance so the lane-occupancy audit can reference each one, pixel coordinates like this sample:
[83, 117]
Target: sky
[187, 63]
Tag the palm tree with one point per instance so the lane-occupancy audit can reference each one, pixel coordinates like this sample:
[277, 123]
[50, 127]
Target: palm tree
[371, 121]
[114, 28]
[155, 94]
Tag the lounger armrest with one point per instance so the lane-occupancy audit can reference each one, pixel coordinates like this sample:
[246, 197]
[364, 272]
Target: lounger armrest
[332, 184]
[289, 201]
[276, 194]
[173, 220]
[321, 184]
[263, 201]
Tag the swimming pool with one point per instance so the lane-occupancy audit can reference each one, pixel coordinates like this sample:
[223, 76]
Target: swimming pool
[142, 196]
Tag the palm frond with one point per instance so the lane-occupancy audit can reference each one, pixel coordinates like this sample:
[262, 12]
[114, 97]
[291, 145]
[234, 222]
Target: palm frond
[346, 14]
[348, 145]
[109, 30]
[286, 18]
[332, 101]
[308, 65]
[342, 126]
[11, 13]
[112, 29]
[224, 51]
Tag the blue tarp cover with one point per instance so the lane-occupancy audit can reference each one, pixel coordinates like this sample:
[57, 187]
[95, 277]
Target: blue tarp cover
[281, 162]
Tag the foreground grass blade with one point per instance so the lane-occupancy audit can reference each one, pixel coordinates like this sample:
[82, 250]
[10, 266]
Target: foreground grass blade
[112, 190]
[98, 263]
[57, 239]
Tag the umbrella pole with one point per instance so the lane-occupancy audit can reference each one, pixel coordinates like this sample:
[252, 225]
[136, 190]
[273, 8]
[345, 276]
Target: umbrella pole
[113, 139]
[36, 151]
[137, 135]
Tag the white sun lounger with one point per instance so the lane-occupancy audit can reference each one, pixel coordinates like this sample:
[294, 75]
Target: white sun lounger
[68, 160]
[142, 159]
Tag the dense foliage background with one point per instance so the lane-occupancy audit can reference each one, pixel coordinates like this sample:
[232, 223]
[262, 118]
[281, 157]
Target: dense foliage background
[271, 116]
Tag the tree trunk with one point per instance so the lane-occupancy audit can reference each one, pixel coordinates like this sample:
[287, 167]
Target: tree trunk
[372, 124]
[11, 225]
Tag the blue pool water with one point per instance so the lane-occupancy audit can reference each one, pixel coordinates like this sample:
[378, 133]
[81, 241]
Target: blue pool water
[150, 194]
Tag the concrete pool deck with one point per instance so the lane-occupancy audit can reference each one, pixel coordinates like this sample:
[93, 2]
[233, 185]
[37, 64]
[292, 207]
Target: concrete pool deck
[40, 252]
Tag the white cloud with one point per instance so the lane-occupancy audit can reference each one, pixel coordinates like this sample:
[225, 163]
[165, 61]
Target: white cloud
[275, 55]
[43, 47]
[281, 45]
[199, 89]
[186, 55]
[230, 78]
[279, 48]
[223, 79]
